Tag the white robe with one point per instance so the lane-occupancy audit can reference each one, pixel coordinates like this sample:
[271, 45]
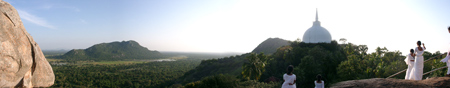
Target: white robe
[289, 79]
[447, 60]
[319, 85]
[410, 66]
[417, 71]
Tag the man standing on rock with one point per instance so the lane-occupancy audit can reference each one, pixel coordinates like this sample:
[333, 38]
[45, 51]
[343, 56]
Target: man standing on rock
[447, 60]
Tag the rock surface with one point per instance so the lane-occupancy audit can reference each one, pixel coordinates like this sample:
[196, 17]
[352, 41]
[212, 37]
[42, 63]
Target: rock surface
[22, 63]
[439, 82]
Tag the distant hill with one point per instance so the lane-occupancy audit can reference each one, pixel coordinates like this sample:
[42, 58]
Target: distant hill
[125, 50]
[270, 45]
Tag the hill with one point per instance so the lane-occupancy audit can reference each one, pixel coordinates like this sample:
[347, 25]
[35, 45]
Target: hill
[230, 65]
[270, 45]
[125, 50]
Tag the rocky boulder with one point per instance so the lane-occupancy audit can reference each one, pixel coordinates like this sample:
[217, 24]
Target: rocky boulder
[22, 63]
[435, 82]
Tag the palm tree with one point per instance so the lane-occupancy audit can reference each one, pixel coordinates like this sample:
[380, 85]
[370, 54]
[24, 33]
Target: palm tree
[363, 50]
[380, 51]
[254, 68]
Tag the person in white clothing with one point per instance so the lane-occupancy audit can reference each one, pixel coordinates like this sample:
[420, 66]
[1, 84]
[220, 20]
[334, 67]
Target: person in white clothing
[289, 78]
[417, 71]
[410, 62]
[447, 60]
[319, 82]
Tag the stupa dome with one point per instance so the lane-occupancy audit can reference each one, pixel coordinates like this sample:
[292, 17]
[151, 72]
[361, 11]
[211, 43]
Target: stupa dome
[317, 34]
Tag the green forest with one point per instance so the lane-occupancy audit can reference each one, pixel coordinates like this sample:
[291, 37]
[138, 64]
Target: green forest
[150, 74]
[335, 62]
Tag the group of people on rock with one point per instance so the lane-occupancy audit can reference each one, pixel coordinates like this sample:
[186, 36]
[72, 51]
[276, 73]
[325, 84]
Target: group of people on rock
[414, 60]
[290, 79]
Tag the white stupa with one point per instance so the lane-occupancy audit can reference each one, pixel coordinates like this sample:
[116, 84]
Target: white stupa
[317, 34]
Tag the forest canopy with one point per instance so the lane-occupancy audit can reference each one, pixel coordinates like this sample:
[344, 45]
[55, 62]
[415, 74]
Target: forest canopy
[335, 62]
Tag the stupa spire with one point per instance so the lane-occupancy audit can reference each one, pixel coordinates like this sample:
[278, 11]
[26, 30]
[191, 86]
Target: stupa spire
[317, 22]
[317, 15]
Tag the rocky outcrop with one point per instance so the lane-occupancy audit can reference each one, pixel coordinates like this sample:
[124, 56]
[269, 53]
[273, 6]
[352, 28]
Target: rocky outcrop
[22, 63]
[270, 45]
[435, 82]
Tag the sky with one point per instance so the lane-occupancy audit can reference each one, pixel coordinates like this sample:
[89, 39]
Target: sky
[233, 25]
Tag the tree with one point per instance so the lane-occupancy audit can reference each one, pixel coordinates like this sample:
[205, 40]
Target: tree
[350, 49]
[343, 40]
[363, 49]
[380, 51]
[298, 40]
[254, 68]
[353, 68]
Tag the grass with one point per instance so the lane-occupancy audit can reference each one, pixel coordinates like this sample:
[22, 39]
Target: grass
[115, 62]
[51, 59]
[178, 57]
[101, 62]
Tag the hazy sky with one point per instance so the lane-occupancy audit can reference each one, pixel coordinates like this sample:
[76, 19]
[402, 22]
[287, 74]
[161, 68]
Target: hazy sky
[233, 26]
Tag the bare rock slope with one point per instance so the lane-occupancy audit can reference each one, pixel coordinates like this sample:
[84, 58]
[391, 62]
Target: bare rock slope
[22, 63]
[439, 82]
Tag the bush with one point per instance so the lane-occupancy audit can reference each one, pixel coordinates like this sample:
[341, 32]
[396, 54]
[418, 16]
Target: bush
[256, 84]
[216, 81]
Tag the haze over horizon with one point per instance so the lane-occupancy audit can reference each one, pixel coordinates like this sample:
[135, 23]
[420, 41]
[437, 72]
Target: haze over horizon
[231, 25]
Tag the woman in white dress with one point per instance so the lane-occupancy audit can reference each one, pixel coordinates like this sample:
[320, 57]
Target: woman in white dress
[289, 78]
[410, 62]
[319, 82]
[417, 71]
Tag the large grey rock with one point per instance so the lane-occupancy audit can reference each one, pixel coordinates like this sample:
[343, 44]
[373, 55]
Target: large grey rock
[435, 82]
[22, 63]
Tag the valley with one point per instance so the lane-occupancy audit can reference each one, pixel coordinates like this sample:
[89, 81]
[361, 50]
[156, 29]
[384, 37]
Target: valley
[153, 72]
[336, 62]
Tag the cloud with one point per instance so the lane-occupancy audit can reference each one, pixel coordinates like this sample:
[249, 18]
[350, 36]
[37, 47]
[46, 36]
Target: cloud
[56, 6]
[34, 19]
[69, 7]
